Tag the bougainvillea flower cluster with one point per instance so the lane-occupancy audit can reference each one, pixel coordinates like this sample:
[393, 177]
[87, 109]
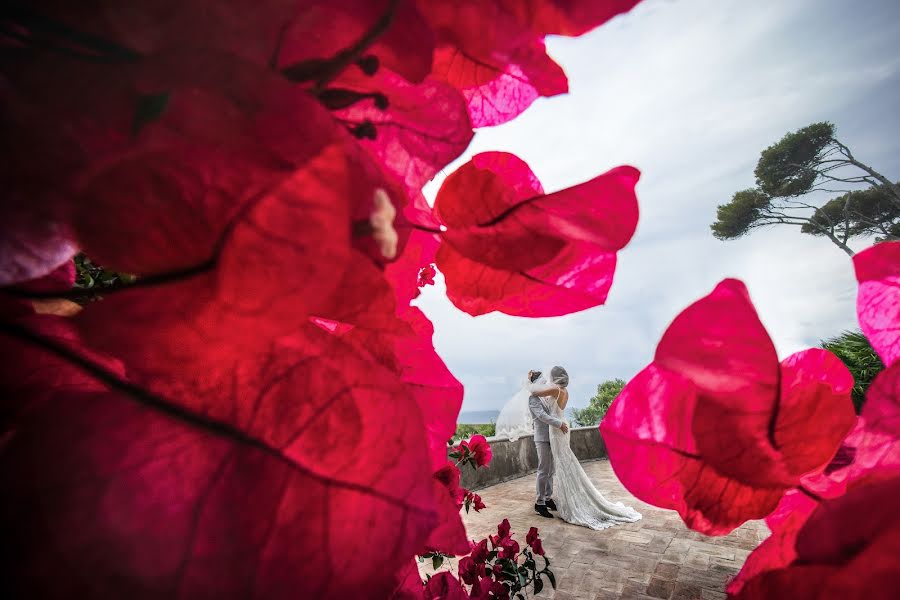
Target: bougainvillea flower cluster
[258, 395]
[717, 429]
[720, 427]
[835, 532]
[497, 567]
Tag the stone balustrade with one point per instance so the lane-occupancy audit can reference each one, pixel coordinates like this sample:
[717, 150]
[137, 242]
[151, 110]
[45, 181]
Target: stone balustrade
[515, 459]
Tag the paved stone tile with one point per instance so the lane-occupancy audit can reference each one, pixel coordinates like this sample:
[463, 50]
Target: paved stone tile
[660, 588]
[666, 571]
[657, 557]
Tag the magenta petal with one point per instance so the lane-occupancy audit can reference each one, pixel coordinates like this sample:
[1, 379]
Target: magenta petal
[777, 550]
[882, 408]
[648, 436]
[847, 549]
[423, 128]
[499, 88]
[481, 191]
[408, 583]
[815, 411]
[511, 248]
[878, 301]
[720, 345]
[564, 17]
[577, 279]
[510, 230]
[877, 440]
[403, 273]
[437, 392]
[449, 536]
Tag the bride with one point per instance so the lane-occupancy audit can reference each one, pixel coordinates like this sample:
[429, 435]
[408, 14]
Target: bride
[577, 500]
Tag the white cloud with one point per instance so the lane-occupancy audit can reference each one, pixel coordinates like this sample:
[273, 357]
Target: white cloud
[689, 92]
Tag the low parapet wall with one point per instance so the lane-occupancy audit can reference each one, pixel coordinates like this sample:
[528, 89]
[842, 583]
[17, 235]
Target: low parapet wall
[515, 459]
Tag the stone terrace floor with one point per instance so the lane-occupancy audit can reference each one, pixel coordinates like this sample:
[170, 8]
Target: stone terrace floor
[657, 557]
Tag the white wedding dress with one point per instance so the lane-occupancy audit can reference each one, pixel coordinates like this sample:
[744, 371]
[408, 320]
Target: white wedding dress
[577, 500]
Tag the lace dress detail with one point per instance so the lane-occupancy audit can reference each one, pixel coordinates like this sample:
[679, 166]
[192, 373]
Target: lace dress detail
[577, 500]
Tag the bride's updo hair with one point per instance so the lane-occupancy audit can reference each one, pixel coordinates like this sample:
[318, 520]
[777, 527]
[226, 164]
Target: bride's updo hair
[559, 376]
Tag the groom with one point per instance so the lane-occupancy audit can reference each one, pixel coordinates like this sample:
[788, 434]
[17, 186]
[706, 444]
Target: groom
[542, 422]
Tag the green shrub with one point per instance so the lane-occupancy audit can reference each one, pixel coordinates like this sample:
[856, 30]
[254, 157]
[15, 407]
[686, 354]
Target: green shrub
[857, 353]
[465, 430]
[599, 404]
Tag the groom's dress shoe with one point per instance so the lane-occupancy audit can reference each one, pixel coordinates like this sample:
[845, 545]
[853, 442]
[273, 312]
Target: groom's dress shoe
[542, 510]
[551, 504]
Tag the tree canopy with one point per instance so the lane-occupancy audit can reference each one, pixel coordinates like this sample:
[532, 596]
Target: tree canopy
[598, 404]
[810, 160]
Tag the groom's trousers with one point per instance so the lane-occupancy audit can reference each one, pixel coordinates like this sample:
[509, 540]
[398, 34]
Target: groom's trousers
[544, 472]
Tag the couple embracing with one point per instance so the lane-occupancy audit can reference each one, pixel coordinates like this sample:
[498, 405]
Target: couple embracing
[562, 484]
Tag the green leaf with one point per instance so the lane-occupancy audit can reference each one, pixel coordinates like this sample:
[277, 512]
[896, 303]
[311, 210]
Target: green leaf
[150, 107]
[421, 559]
[436, 561]
[522, 580]
[551, 577]
[539, 585]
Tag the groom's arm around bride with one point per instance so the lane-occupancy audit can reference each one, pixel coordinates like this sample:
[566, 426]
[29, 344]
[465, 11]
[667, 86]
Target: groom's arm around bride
[540, 414]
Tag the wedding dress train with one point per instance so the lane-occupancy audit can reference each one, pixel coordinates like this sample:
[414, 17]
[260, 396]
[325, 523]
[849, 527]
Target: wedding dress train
[577, 500]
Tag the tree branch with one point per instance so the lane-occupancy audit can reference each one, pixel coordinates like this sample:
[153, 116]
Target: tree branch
[893, 187]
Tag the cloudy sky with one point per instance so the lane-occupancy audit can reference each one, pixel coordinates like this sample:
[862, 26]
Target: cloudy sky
[690, 92]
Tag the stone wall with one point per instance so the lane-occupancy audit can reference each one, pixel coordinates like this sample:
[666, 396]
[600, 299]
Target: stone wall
[515, 459]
